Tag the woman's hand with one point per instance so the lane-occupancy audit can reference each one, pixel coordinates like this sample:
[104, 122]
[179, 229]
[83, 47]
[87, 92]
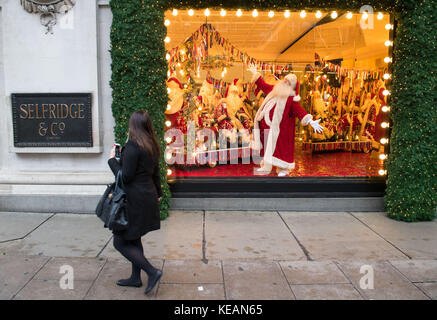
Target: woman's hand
[112, 153]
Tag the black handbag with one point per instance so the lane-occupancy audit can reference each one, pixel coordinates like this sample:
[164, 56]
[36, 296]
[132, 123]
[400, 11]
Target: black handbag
[111, 208]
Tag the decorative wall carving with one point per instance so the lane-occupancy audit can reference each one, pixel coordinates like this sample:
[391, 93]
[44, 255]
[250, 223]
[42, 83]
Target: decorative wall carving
[47, 9]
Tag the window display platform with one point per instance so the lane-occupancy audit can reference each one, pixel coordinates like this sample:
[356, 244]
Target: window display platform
[315, 164]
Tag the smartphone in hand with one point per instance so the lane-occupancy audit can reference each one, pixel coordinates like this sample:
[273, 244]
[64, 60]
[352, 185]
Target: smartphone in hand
[117, 151]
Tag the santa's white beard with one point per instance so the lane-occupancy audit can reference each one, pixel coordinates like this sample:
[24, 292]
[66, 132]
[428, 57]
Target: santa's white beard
[282, 90]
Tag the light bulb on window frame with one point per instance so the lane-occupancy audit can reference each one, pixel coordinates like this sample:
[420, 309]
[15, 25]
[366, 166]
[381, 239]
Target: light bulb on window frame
[387, 59]
[287, 14]
[191, 12]
[388, 43]
[386, 92]
[167, 22]
[167, 39]
[223, 12]
[167, 56]
[384, 141]
[255, 13]
[169, 172]
[380, 16]
[318, 14]
[175, 12]
[385, 109]
[168, 107]
[303, 14]
[168, 139]
[383, 156]
[388, 26]
[239, 13]
[168, 123]
[385, 125]
[334, 15]
[271, 14]
[207, 12]
[365, 16]
[382, 172]
[349, 15]
[386, 76]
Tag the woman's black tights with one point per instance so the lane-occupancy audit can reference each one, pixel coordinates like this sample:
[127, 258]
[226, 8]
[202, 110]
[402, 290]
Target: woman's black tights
[132, 250]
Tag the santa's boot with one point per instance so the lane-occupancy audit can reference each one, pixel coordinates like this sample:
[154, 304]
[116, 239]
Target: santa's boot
[264, 170]
[282, 172]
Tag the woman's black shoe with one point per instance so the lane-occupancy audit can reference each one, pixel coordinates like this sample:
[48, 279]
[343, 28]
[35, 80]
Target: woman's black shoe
[129, 283]
[152, 281]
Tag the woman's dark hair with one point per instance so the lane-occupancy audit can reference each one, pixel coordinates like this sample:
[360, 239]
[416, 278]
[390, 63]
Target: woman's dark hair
[141, 131]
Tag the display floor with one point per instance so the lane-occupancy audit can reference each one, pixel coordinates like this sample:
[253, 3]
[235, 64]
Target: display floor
[326, 164]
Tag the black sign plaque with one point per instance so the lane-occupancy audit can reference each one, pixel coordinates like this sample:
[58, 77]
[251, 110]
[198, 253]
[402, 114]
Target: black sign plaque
[52, 119]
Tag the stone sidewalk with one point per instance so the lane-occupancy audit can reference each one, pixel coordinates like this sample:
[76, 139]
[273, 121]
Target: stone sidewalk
[224, 255]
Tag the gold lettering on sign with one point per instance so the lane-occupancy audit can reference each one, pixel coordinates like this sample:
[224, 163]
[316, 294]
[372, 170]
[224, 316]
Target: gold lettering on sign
[42, 130]
[71, 111]
[81, 106]
[44, 110]
[31, 110]
[52, 108]
[51, 128]
[23, 109]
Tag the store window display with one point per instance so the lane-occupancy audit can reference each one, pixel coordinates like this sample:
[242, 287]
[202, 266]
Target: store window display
[331, 130]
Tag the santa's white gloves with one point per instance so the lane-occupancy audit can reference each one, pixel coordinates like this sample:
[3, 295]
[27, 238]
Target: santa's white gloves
[252, 68]
[254, 71]
[316, 126]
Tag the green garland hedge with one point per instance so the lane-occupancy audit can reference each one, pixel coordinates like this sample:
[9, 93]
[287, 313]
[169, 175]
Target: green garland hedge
[139, 72]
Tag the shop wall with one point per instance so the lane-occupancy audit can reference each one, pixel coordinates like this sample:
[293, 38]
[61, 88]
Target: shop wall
[70, 60]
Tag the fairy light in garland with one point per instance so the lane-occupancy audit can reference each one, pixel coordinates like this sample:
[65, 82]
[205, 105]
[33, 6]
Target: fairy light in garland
[349, 15]
[334, 15]
[271, 14]
[287, 14]
[318, 14]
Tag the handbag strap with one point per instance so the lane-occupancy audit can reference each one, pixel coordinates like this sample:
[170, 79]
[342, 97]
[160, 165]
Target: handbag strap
[119, 180]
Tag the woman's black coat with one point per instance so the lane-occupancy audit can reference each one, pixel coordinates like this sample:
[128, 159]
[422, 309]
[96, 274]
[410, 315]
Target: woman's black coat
[142, 184]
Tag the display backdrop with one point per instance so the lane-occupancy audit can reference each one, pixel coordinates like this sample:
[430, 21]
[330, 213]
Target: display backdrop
[139, 73]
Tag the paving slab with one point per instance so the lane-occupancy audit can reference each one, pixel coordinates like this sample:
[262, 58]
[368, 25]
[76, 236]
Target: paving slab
[326, 292]
[83, 268]
[389, 284]
[418, 239]
[255, 280]
[16, 271]
[192, 271]
[417, 270]
[338, 237]
[51, 290]
[312, 272]
[15, 225]
[64, 235]
[104, 287]
[250, 235]
[430, 288]
[180, 237]
[190, 291]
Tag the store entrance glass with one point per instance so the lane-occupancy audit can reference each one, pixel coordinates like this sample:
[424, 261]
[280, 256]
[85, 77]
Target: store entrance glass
[340, 61]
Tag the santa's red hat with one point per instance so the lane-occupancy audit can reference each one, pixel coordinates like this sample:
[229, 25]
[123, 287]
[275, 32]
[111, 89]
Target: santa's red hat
[177, 81]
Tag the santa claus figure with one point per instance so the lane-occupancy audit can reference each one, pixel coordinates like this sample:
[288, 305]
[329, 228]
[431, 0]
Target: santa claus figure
[275, 123]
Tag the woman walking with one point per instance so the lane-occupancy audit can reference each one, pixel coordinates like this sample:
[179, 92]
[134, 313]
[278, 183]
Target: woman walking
[139, 163]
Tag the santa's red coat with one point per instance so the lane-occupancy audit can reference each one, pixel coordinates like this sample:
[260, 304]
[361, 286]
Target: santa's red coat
[283, 154]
